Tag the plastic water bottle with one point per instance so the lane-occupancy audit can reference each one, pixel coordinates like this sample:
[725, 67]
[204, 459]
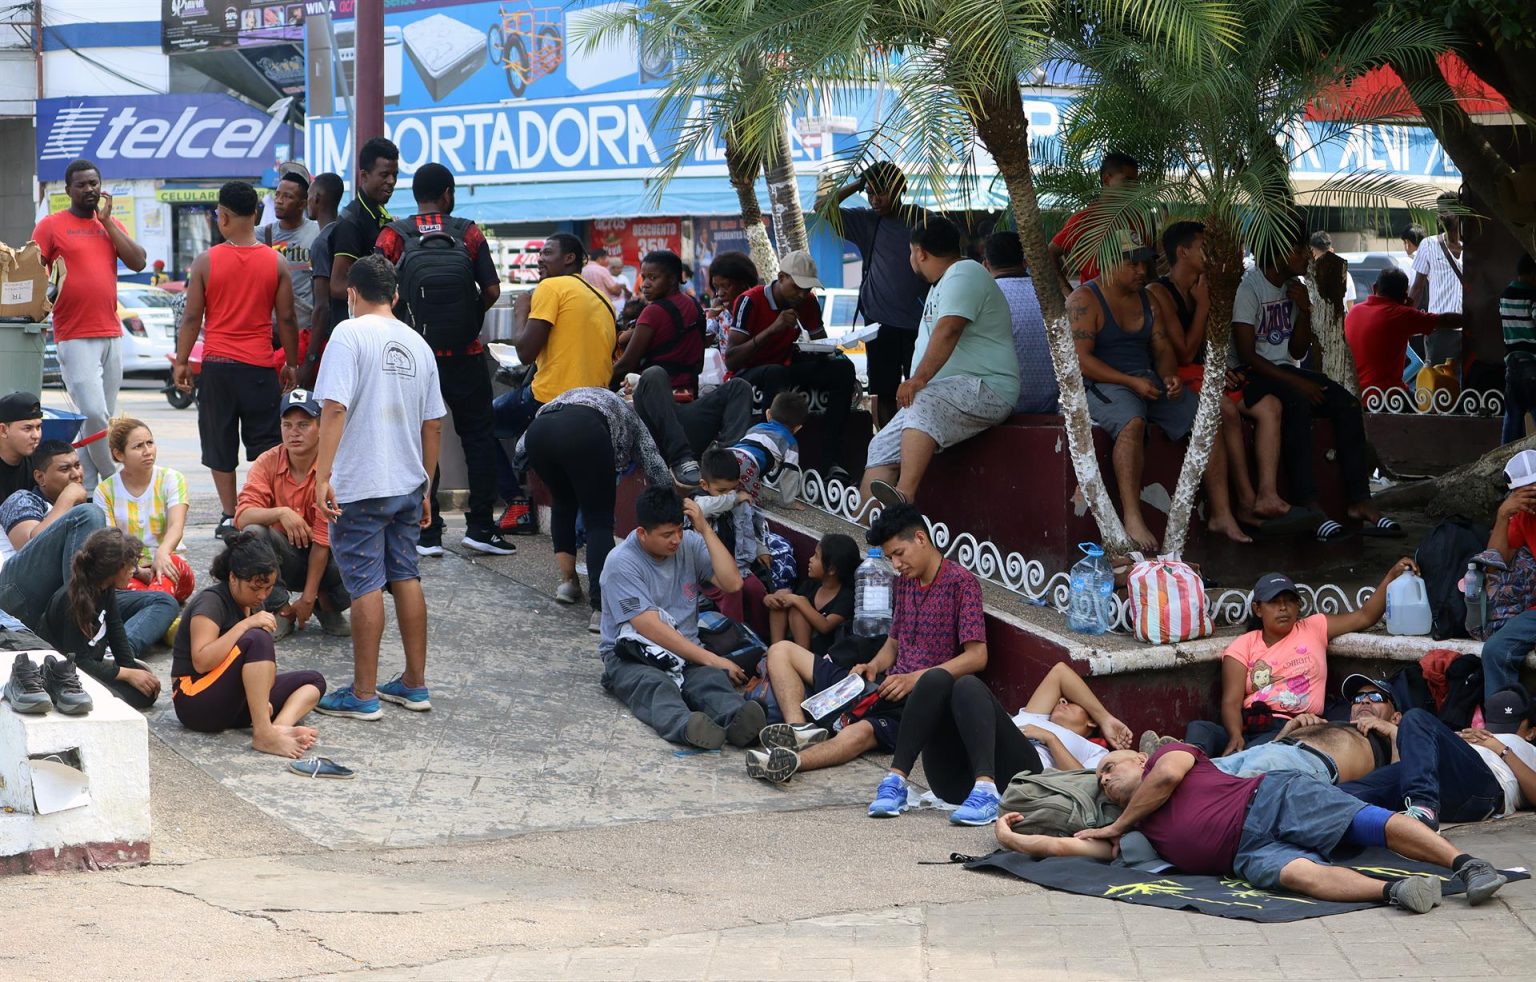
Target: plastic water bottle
[1408, 606]
[1090, 605]
[872, 596]
[1477, 600]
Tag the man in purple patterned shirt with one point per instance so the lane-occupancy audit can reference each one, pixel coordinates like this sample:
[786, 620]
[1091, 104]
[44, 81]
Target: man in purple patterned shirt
[937, 624]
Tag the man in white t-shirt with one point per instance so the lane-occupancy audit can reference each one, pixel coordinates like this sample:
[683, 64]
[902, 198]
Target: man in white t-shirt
[1438, 273]
[379, 434]
[1271, 336]
[1441, 775]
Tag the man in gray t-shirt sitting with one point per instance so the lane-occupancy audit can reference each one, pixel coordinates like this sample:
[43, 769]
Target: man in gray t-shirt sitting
[652, 659]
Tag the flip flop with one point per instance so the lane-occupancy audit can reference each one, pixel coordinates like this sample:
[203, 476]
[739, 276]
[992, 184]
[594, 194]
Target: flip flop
[1297, 521]
[1383, 528]
[321, 767]
[1330, 531]
[886, 494]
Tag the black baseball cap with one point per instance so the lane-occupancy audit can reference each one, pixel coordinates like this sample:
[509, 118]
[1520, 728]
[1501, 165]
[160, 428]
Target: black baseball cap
[1271, 585]
[301, 399]
[16, 406]
[1506, 709]
[1354, 683]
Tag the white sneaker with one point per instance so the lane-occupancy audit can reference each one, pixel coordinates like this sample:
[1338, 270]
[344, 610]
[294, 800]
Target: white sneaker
[791, 737]
[595, 625]
[568, 592]
[284, 627]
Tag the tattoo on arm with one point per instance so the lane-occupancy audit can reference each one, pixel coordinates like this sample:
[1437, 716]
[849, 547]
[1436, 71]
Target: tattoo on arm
[1080, 318]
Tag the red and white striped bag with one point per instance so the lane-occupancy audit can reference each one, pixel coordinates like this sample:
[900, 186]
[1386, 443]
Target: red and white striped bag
[1167, 602]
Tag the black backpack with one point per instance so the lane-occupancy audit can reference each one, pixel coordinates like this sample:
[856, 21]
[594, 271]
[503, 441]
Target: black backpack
[670, 355]
[439, 295]
[1443, 558]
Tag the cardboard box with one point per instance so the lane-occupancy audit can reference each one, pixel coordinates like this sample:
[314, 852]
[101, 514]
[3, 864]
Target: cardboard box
[23, 283]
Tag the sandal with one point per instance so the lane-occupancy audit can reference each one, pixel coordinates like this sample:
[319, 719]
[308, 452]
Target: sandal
[887, 494]
[1383, 528]
[321, 767]
[1330, 531]
[1294, 522]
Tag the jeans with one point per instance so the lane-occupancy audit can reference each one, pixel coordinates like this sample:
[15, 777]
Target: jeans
[1270, 756]
[1437, 769]
[147, 615]
[1514, 417]
[29, 578]
[685, 430]
[512, 412]
[92, 369]
[1505, 652]
[466, 388]
[658, 703]
[1296, 433]
[1212, 737]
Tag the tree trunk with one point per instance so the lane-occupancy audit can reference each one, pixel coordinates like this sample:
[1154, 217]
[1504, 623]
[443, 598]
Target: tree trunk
[784, 191]
[1004, 130]
[1475, 489]
[1224, 268]
[1325, 289]
[743, 175]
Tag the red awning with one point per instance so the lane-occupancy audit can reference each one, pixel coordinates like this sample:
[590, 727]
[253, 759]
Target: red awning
[1380, 92]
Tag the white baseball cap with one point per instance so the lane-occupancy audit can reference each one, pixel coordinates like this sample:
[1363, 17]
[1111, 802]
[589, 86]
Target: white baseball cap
[1521, 469]
[802, 269]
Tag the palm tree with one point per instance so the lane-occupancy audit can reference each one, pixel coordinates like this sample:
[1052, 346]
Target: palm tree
[1218, 136]
[955, 67]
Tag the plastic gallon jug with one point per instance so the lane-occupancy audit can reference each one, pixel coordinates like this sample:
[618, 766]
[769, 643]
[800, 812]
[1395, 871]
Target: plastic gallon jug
[1408, 606]
[872, 596]
[1091, 601]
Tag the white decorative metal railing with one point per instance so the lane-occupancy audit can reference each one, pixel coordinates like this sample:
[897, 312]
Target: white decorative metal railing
[1033, 582]
[1439, 402]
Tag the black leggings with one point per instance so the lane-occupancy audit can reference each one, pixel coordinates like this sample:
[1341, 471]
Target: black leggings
[962, 731]
[571, 451]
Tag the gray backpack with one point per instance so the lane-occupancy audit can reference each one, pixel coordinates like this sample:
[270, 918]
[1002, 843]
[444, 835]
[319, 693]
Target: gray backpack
[1058, 802]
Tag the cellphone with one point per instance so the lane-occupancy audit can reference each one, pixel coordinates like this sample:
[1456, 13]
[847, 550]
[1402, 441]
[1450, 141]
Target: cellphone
[104, 205]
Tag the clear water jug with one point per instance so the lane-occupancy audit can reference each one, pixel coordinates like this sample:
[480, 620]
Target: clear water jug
[1091, 601]
[872, 584]
[1408, 606]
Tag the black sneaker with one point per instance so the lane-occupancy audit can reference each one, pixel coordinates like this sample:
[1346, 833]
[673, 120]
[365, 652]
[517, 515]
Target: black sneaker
[430, 543]
[490, 543]
[225, 530]
[1481, 879]
[25, 691]
[746, 724]
[62, 683]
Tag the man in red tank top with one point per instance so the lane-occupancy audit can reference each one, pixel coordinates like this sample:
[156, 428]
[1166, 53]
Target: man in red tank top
[233, 291]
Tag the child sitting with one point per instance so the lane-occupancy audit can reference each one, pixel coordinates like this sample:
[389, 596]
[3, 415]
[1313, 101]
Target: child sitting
[149, 503]
[741, 529]
[1279, 669]
[769, 452]
[814, 617]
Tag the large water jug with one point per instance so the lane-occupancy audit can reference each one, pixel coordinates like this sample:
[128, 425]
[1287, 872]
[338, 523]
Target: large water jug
[1408, 606]
[872, 596]
[1091, 601]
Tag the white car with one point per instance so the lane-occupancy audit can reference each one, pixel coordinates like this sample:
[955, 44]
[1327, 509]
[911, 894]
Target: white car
[1364, 267]
[149, 330]
[839, 305]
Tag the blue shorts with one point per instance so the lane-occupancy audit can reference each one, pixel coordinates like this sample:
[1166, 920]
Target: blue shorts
[1292, 816]
[374, 542]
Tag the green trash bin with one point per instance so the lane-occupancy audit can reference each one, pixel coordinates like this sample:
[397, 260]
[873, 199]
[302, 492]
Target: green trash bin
[21, 356]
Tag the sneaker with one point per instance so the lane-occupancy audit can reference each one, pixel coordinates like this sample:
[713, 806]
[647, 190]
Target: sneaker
[979, 808]
[887, 494]
[62, 683]
[491, 544]
[284, 627]
[430, 543]
[839, 474]
[1481, 879]
[1419, 894]
[890, 798]
[568, 592]
[341, 702]
[1422, 814]
[704, 733]
[687, 474]
[225, 530]
[1150, 741]
[25, 690]
[791, 736]
[170, 632]
[397, 692]
[334, 623]
[520, 518]
[595, 625]
[776, 766]
[746, 724]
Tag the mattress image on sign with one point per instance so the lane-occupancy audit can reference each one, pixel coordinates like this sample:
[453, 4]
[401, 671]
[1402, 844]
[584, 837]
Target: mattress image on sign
[445, 52]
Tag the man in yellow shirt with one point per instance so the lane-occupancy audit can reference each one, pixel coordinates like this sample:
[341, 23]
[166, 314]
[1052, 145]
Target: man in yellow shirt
[566, 329]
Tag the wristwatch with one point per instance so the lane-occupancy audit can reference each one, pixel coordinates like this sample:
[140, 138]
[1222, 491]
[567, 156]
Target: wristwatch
[1504, 753]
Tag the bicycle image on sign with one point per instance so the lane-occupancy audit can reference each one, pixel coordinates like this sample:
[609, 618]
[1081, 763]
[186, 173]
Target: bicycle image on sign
[527, 43]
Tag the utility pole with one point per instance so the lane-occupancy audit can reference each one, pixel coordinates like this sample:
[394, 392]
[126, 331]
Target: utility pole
[369, 62]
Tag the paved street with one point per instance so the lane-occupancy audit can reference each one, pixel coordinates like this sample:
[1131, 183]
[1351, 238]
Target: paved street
[529, 828]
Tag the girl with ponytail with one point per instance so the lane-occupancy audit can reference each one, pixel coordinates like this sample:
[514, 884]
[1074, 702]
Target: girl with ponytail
[94, 615]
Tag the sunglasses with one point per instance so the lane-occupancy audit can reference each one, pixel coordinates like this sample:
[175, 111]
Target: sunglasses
[1363, 697]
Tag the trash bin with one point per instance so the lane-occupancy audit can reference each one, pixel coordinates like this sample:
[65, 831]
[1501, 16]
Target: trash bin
[21, 356]
[60, 424]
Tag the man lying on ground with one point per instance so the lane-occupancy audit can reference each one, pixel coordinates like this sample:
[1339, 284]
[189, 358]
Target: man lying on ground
[1273, 830]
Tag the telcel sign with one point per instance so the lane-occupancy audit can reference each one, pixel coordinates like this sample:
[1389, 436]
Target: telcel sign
[171, 136]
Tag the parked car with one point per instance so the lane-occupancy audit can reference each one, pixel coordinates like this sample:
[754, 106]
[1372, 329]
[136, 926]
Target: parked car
[840, 315]
[149, 330]
[1364, 267]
